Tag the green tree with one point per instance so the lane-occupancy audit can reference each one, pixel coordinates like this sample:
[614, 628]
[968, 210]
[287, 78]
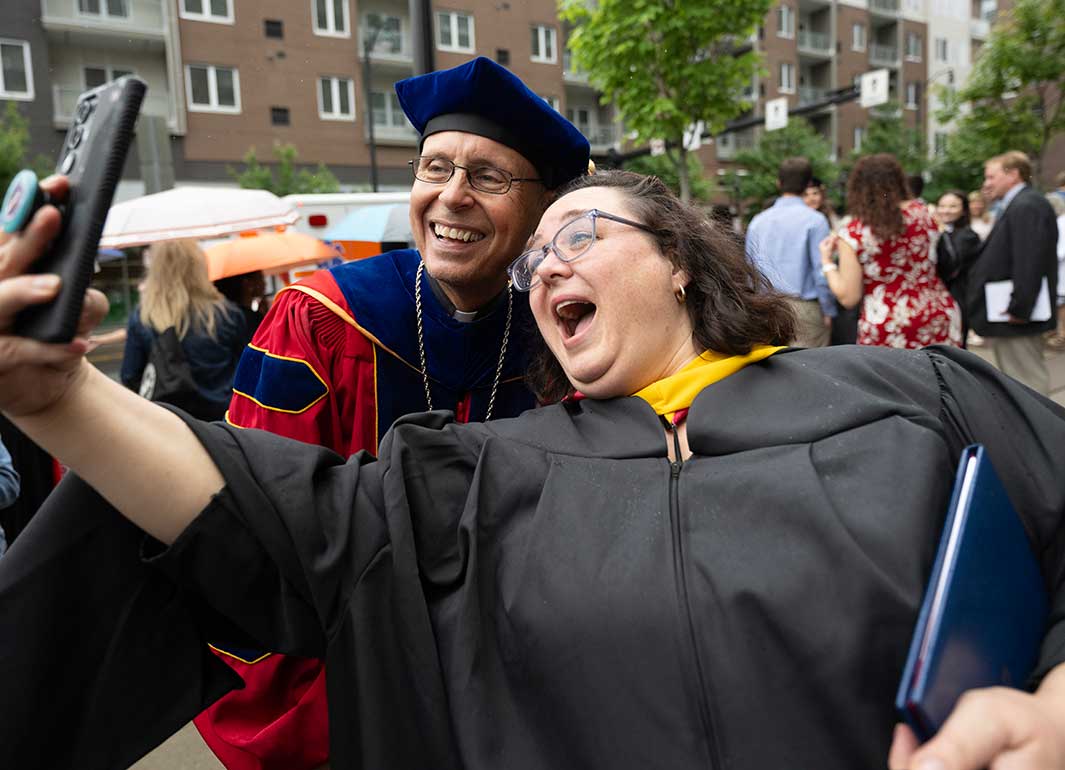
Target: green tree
[1012, 100]
[887, 132]
[283, 178]
[667, 64]
[665, 169]
[754, 180]
[14, 137]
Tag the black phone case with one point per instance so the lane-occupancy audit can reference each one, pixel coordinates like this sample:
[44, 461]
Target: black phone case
[93, 154]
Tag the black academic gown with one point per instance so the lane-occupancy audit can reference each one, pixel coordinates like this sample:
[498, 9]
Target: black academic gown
[551, 592]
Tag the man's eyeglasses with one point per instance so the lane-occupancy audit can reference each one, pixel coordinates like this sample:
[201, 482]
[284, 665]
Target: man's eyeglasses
[487, 179]
[572, 240]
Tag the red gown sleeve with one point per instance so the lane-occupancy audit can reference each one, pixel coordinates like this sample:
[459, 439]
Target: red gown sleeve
[308, 374]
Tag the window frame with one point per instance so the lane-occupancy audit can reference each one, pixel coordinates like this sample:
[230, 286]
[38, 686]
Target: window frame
[453, 17]
[553, 102]
[334, 87]
[103, 12]
[207, 16]
[858, 138]
[330, 17]
[212, 87]
[541, 35]
[913, 88]
[27, 62]
[944, 44]
[781, 87]
[393, 110]
[786, 13]
[365, 24]
[855, 26]
[916, 53]
[109, 72]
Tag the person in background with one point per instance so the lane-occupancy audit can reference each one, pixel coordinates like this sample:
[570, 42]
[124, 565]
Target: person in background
[248, 292]
[1020, 258]
[211, 329]
[782, 242]
[979, 217]
[9, 488]
[1059, 185]
[845, 322]
[885, 262]
[1056, 339]
[956, 250]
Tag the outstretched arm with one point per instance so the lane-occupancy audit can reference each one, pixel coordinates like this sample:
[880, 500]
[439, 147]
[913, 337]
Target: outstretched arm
[139, 456]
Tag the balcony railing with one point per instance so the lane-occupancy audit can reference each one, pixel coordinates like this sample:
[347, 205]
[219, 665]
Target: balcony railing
[386, 132]
[570, 74]
[884, 6]
[65, 97]
[884, 54]
[816, 42]
[811, 95]
[600, 135]
[137, 17]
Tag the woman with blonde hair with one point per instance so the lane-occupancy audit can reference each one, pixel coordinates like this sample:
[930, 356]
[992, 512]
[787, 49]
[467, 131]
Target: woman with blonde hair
[979, 217]
[210, 330]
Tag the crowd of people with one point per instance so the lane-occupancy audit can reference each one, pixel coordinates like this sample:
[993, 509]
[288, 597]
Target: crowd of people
[706, 547]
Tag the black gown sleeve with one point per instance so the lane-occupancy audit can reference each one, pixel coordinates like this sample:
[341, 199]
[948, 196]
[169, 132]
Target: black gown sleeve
[1024, 434]
[283, 547]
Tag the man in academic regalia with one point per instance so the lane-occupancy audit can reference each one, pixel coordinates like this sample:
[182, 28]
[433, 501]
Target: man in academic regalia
[345, 353]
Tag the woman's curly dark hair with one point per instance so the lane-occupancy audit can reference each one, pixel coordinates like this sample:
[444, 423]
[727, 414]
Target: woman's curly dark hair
[732, 305]
[875, 188]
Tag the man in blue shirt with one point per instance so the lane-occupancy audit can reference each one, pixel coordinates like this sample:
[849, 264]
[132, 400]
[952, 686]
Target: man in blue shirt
[783, 242]
[9, 488]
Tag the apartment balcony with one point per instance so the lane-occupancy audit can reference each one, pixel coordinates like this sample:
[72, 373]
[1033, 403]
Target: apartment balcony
[600, 137]
[727, 145]
[884, 55]
[979, 28]
[64, 98]
[118, 23]
[815, 43]
[386, 133]
[811, 95]
[571, 75]
[884, 7]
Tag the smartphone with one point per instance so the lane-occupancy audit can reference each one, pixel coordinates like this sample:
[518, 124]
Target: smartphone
[92, 157]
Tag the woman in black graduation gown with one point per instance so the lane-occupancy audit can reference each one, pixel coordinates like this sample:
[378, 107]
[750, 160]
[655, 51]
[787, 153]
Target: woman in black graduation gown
[711, 554]
[956, 250]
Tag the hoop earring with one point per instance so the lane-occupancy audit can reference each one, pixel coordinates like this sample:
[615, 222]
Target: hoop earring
[681, 295]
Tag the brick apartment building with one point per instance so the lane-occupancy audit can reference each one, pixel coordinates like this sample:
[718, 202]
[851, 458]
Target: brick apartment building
[228, 75]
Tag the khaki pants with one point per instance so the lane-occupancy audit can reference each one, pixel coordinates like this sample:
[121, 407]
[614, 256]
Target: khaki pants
[810, 329]
[1022, 359]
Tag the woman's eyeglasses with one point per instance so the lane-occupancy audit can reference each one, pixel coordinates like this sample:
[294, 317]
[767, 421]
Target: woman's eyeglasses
[573, 240]
[487, 179]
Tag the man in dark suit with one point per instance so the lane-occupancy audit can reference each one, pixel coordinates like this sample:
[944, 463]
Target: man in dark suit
[1020, 248]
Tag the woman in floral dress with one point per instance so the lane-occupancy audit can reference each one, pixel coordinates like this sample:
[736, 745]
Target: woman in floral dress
[885, 261]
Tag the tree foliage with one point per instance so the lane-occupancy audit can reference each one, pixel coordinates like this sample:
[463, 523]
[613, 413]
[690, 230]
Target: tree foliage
[666, 170]
[14, 138]
[887, 132]
[1012, 100]
[283, 178]
[755, 178]
[667, 64]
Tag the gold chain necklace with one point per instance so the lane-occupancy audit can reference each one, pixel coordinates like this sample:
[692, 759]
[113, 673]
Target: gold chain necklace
[421, 343]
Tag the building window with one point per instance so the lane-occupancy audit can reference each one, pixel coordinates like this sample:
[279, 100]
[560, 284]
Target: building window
[858, 37]
[279, 116]
[942, 51]
[389, 31]
[336, 98]
[552, 101]
[116, 8]
[913, 46]
[939, 143]
[386, 110]
[786, 85]
[16, 74]
[859, 135]
[274, 28]
[217, 11]
[503, 56]
[543, 44]
[331, 17]
[454, 31]
[212, 89]
[581, 118]
[913, 94]
[785, 21]
[97, 76]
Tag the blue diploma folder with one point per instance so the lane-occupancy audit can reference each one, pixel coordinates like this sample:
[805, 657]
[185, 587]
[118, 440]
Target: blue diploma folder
[985, 610]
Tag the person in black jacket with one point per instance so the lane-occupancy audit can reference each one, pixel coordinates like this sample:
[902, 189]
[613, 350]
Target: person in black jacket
[957, 249]
[1021, 250]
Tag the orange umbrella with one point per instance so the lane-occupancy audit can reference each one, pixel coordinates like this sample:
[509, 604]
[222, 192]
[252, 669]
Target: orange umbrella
[273, 252]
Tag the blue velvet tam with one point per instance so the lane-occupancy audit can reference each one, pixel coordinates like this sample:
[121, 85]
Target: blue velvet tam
[480, 97]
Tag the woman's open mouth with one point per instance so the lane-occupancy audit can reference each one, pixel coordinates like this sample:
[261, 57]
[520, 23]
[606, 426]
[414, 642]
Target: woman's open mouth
[574, 317]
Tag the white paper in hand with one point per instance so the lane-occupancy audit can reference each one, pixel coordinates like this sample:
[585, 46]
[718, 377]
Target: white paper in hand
[997, 296]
